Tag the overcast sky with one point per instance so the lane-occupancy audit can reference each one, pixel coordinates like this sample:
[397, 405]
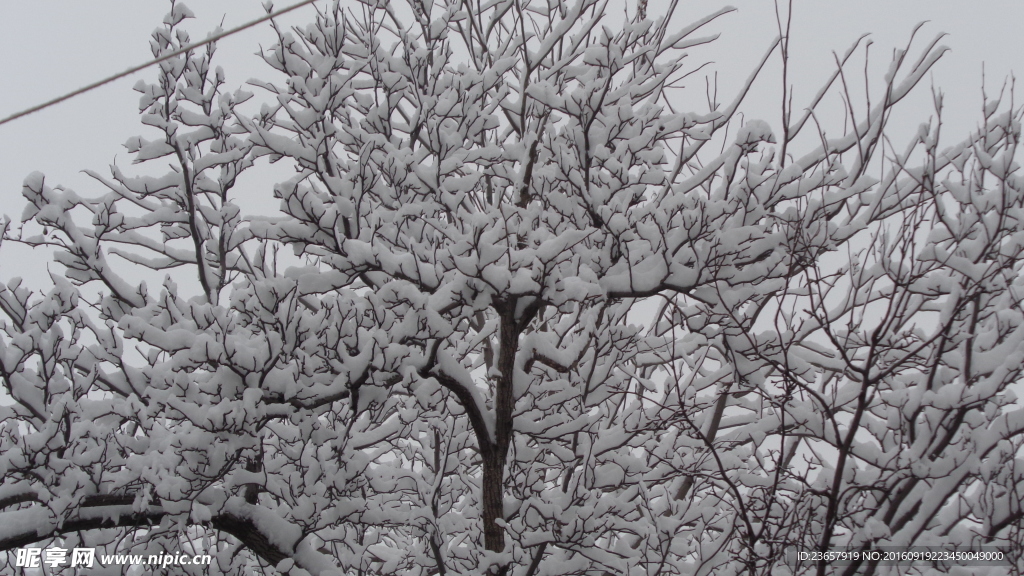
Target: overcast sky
[49, 47]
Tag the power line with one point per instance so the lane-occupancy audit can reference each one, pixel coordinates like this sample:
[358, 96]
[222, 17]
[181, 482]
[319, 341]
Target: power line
[135, 69]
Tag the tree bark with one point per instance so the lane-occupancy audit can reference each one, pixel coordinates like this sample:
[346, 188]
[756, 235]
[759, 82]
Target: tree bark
[492, 497]
[493, 481]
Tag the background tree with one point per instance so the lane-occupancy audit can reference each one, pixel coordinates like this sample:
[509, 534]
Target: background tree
[519, 314]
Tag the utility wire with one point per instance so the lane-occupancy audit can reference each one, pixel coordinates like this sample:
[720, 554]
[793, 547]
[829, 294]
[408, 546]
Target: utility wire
[135, 69]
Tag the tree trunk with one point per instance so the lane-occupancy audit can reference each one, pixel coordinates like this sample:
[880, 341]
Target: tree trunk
[493, 480]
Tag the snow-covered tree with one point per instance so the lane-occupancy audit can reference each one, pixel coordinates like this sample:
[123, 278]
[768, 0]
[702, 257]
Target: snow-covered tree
[524, 310]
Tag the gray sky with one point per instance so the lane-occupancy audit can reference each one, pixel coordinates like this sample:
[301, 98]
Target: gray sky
[54, 46]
